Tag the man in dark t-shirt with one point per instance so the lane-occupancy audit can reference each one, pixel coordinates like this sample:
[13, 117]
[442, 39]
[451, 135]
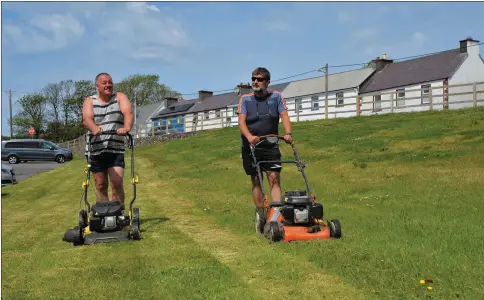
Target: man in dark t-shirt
[259, 114]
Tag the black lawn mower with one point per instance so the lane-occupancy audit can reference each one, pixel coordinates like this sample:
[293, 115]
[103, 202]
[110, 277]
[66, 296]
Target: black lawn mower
[106, 221]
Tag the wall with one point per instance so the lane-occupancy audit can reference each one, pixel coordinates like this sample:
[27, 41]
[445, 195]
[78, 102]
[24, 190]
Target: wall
[307, 111]
[206, 120]
[411, 102]
[471, 70]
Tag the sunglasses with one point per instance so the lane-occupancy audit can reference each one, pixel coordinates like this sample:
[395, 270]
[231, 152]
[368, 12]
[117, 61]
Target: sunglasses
[258, 79]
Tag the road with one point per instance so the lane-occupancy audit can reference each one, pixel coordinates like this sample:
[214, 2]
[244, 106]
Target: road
[26, 170]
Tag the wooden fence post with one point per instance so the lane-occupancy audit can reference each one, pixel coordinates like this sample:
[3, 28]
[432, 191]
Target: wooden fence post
[391, 103]
[358, 105]
[431, 107]
[474, 94]
[446, 94]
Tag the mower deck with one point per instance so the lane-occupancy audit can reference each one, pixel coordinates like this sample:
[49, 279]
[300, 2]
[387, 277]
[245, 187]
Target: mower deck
[106, 237]
[298, 233]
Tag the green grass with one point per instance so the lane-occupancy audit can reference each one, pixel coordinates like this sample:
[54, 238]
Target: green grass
[407, 189]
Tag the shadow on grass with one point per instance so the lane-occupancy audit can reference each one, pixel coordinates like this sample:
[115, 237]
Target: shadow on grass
[148, 223]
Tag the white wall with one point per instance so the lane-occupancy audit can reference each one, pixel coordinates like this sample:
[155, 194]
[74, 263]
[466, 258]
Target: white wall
[411, 102]
[471, 70]
[211, 119]
[310, 109]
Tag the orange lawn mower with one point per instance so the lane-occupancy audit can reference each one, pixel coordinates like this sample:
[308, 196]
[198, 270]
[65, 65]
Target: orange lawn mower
[299, 216]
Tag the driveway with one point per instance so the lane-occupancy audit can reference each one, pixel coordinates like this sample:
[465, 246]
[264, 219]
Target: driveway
[26, 170]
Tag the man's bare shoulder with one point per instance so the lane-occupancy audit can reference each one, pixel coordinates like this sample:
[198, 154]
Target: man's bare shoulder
[121, 96]
[88, 100]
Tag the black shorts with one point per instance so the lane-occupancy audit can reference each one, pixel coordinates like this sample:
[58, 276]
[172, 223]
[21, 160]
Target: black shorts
[103, 161]
[261, 154]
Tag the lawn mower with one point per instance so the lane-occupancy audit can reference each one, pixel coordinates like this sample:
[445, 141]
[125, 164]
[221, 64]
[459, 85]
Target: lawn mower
[106, 221]
[299, 216]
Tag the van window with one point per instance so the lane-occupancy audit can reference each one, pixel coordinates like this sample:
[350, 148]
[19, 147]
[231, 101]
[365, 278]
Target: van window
[13, 145]
[31, 145]
[49, 145]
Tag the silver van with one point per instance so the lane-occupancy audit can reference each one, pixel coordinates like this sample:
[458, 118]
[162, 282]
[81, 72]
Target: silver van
[15, 151]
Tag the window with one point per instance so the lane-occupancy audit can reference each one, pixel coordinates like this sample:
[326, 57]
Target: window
[234, 111]
[207, 115]
[400, 97]
[298, 104]
[425, 93]
[339, 98]
[314, 103]
[229, 119]
[376, 102]
[195, 119]
[179, 120]
[217, 113]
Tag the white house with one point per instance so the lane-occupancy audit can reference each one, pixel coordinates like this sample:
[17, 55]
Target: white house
[306, 98]
[426, 82]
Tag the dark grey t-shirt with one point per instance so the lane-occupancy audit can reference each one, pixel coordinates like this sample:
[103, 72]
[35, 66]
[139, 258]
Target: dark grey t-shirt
[262, 113]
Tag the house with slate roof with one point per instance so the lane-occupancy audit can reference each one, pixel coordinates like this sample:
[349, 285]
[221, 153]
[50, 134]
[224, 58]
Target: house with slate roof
[143, 126]
[422, 83]
[306, 98]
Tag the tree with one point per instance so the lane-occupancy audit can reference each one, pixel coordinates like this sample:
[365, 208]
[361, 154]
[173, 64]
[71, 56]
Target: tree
[32, 114]
[149, 89]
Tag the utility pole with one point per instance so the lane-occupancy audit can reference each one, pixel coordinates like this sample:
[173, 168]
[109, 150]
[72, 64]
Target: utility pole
[326, 91]
[135, 104]
[10, 103]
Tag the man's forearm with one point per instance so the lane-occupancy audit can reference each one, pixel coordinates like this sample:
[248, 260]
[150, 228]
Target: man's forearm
[89, 124]
[286, 123]
[244, 129]
[128, 121]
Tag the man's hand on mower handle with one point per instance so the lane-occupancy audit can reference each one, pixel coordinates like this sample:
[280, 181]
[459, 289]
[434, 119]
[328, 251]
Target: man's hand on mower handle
[288, 138]
[97, 131]
[253, 139]
[122, 131]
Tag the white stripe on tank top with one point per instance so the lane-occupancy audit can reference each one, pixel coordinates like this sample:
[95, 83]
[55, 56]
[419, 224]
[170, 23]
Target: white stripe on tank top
[109, 117]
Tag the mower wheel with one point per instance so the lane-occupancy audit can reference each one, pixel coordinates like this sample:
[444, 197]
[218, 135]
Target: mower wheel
[259, 223]
[74, 236]
[83, 219]
[135, 225]
[274, 231]
[335, 228]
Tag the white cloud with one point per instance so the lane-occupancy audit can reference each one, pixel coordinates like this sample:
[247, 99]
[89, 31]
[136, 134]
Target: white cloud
[44, 33]
[141, 7]
[149, 34]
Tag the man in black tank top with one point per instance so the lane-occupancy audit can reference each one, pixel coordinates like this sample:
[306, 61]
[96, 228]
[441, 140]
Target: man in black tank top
[107, 157]
[259, 114]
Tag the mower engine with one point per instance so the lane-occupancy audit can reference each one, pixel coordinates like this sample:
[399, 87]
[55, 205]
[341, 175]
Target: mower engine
[298, 209]
[108, 216]
[108, 223]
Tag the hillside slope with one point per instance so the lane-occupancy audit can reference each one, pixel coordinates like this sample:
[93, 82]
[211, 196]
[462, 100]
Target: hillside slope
[407, 189]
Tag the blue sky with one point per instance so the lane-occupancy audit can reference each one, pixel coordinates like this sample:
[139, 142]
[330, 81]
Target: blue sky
[212, 45]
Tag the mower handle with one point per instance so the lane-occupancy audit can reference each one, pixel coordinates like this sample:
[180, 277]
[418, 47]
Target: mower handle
[268, 136]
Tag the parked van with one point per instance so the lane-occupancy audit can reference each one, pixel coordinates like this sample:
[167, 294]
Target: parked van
[15, 151]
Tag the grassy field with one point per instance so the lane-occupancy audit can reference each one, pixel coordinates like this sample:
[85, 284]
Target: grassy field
[407, 188]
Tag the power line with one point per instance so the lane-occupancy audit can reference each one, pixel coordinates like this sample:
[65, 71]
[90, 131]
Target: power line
[320, 69]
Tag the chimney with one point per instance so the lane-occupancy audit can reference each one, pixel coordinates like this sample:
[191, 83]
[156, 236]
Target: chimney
[243, 88]
[204, 95]
[470, 46]
[379, 63]
[170, 101]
